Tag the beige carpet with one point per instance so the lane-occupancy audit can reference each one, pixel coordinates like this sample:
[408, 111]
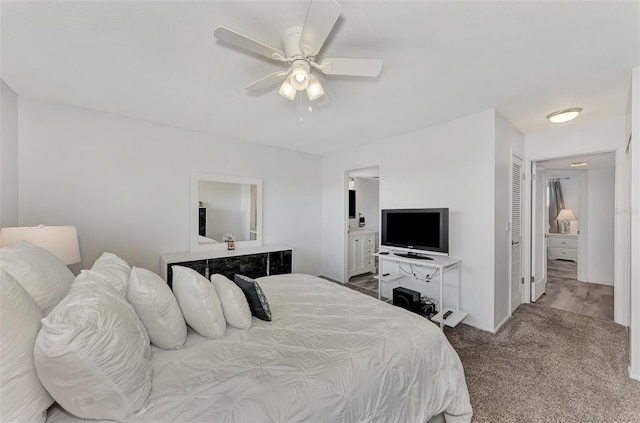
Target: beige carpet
[548, 365]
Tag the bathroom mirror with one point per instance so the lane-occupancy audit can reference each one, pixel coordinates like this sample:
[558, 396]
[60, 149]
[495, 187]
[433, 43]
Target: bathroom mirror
[223, 207]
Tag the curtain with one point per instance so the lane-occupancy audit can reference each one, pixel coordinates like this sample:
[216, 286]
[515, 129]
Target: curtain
[556, 203]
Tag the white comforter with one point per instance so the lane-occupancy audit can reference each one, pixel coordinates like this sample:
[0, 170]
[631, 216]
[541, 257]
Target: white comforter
[329, 355]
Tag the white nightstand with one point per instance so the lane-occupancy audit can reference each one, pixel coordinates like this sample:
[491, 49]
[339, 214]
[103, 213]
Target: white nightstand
[561, 246]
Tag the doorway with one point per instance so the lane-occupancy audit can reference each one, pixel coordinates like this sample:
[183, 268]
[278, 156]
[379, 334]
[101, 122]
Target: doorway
[573, 234]
[362, 222]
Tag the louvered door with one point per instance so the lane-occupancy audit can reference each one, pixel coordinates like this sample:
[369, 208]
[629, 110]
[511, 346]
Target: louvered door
[517, 176]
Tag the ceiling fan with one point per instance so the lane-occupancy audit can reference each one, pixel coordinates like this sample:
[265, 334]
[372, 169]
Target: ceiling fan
[300, 46]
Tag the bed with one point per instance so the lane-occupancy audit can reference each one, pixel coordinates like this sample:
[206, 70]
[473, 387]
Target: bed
[329, 354]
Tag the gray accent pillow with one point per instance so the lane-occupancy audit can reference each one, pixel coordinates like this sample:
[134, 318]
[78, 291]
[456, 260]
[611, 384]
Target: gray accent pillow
[255, 297]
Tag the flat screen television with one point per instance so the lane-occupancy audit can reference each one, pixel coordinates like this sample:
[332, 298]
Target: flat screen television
[416, 231]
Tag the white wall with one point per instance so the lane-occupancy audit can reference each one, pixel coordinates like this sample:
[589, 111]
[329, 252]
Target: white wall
[8, 156]
[600, 225]
[508, 141]
[368, 202]
[595, 137]
[125, 183]
[448, 165]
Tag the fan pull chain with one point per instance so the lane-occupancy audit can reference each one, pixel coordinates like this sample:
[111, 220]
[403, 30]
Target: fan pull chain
[301, 108]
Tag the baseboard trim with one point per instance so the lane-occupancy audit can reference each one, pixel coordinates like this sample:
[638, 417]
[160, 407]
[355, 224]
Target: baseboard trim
[330, 279]
[505, 320]
[476, 325]
[633, 375]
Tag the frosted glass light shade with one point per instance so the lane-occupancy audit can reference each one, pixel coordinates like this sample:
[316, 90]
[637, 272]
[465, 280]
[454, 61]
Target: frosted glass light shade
[314, 90]
[62, 241]
[566, 115]
[287, 90]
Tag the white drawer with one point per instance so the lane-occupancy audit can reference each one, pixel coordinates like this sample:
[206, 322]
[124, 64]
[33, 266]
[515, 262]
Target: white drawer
[369, 240]
[369, 262]
[566, 253]
[563, 242]
[368, 251]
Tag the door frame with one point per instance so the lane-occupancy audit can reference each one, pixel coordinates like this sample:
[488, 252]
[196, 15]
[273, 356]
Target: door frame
[622, 230]
[345, 217]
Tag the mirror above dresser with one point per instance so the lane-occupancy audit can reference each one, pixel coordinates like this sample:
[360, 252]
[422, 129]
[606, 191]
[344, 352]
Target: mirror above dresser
[222, 207]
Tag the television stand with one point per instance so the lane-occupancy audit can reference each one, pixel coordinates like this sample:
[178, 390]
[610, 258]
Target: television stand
[413, 256]
[440, 265]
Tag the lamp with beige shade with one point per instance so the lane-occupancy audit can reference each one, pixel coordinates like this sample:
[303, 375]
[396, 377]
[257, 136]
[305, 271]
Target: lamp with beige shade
[62, 241]
[565, 217]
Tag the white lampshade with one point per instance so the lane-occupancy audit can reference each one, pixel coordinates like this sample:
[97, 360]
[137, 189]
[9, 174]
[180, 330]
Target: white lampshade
[566, 214]
[62, 241]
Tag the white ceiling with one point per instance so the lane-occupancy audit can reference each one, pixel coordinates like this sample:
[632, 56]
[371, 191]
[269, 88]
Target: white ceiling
[367, 172]
[594, 161]
[158, 61]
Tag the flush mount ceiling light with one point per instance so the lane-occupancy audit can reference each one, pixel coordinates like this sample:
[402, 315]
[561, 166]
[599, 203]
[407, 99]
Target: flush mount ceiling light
[564, 115]
[578, 164]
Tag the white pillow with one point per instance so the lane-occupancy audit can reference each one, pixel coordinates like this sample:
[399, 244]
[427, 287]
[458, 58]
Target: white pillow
[92, 354]
[39, 271]
[157, 308]
[22, 396]
[115, 270]
[199, 302]
[234, 304]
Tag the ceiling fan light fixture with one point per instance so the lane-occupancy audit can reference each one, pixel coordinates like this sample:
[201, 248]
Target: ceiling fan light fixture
[300, 75]
[314, 90]
[565, 115]
[287, 90]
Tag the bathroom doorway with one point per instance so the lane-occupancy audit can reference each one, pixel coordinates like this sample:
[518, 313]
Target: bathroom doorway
[362, 222]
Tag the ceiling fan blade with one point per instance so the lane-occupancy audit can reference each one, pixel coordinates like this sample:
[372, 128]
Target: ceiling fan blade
[321, 17]
[352, 67]
[242, 41]
[267, 81]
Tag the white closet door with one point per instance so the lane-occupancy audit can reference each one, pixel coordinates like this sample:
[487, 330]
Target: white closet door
[517, 176]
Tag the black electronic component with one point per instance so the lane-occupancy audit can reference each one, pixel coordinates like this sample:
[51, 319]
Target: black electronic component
[447, 314]
[407, 299]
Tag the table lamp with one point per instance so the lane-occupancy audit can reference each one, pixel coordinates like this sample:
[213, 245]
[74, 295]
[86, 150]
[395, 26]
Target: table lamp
[62, 241]
[564, 217]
